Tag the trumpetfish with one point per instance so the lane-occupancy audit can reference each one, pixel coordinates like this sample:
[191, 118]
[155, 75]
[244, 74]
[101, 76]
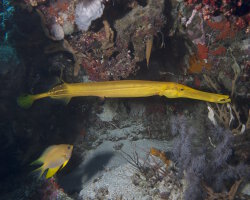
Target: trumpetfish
[124, 88]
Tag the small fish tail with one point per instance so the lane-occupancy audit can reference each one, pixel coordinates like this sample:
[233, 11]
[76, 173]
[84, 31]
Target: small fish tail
[40, 170]
[37, 162]
[25, 101]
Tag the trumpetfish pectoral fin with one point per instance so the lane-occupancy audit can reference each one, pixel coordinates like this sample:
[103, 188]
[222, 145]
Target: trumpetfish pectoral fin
[51, 172]
[64, 100]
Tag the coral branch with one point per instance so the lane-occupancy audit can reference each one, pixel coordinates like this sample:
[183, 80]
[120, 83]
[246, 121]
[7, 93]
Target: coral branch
[211, 195]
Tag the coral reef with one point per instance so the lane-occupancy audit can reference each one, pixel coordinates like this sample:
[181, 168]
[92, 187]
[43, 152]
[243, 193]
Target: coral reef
[6, 12]
[108, 59]
[87, 11]
[156, 175]
[216, 29]
[204, 161]
[50, 190]
[228, 8]
[8, 59]
[43, 189]
[140, 22]
[230, 195]
[57, 18]
[34, 2]
[103, 56]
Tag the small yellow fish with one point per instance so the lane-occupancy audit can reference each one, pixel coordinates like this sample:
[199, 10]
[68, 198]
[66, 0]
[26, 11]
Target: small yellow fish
[125, 88]
[53, 158]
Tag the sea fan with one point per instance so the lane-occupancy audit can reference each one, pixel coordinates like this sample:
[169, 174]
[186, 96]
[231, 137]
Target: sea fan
[194, 189]
[198, 165]
[222, 151]
[205, 160]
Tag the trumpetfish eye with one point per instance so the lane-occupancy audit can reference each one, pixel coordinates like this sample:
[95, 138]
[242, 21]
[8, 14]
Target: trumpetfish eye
[224, 100]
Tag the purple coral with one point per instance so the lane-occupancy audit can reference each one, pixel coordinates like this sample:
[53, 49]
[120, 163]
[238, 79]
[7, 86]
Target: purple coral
[178, 123]
[193, 190]
[198, 165]
[222, 151]
[183, 142]
[204, 162]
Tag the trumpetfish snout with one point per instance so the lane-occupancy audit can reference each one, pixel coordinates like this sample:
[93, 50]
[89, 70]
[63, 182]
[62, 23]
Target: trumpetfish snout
[206, 96]
[182, 91]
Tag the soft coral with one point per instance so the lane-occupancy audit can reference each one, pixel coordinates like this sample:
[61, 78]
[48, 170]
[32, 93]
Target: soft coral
[199, 161]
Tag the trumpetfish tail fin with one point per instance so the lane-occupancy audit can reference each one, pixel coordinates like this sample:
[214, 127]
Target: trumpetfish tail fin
[26, 101]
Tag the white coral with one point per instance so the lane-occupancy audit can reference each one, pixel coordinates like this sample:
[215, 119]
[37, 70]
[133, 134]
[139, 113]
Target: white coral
[57, 31]
[87, 11]
[211, 115]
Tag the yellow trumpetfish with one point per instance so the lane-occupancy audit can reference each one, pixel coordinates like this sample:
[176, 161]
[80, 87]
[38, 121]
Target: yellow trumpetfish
[125, 88]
